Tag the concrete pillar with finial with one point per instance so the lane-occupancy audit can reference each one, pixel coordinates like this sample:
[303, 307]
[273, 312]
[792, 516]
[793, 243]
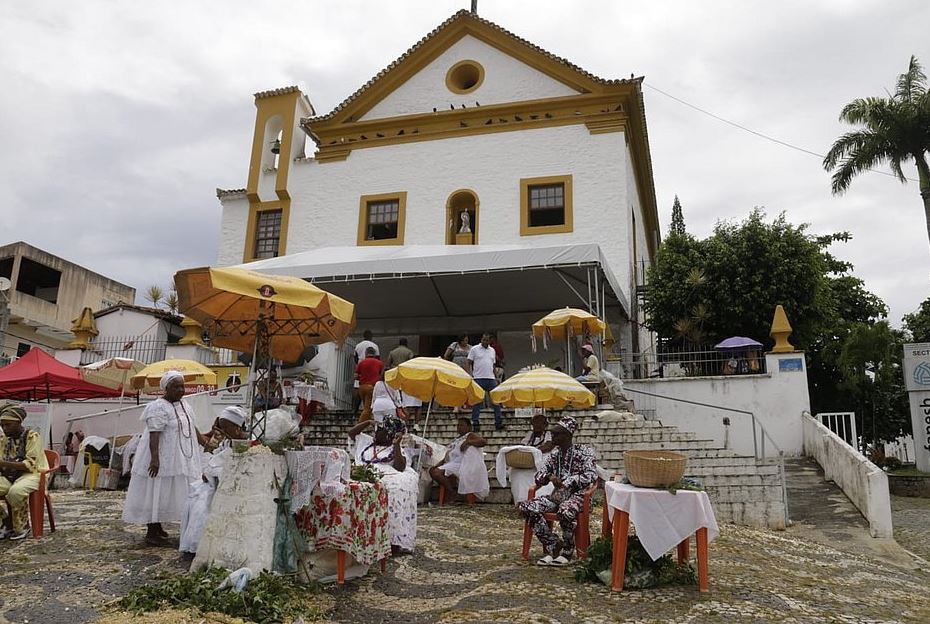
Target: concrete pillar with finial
[780, 331]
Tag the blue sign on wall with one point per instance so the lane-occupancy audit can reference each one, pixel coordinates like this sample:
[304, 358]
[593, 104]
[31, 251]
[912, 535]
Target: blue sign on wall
[791, 365]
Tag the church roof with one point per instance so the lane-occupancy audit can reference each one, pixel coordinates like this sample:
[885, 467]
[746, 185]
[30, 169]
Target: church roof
[460, 17]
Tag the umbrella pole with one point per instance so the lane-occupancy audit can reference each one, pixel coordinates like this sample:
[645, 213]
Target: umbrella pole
[429, 407]
[568, 352]
[251, 385]
[119, 412]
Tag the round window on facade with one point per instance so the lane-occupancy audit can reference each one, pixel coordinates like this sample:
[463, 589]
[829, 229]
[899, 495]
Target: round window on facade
[464, 77]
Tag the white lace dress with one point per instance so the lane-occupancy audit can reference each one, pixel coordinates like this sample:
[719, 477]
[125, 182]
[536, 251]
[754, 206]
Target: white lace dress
[162, 498]
[402, 489]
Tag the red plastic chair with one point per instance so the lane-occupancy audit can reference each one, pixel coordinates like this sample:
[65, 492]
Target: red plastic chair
[40, 498]
[582, 528]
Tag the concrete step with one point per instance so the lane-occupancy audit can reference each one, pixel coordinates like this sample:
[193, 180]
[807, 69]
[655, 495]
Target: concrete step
[743, 489]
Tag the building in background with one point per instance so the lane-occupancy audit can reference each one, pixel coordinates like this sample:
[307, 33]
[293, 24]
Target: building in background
[45, 296]
[476, 183]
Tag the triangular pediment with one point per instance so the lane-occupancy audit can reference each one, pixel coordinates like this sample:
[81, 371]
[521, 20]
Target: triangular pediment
[417, 82]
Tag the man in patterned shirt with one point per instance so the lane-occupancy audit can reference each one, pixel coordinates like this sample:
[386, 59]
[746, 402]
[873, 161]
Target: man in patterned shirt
[570, 469]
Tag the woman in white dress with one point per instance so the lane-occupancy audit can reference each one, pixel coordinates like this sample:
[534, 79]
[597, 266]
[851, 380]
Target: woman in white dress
[383, 452]
[167, 459]
[384, 401]
[463, 470]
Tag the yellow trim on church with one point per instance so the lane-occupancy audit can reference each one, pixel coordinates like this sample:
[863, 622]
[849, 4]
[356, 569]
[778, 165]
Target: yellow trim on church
[568, 224]
[363, 202]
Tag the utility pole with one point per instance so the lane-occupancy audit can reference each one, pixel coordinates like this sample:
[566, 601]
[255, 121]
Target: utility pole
[474, 6]
[4, 315]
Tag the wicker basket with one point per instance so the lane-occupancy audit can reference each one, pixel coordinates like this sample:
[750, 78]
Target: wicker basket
[654, 468]
[520, 459]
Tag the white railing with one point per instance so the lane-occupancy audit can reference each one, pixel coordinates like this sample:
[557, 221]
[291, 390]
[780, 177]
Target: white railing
[760, 435]
[864, 483]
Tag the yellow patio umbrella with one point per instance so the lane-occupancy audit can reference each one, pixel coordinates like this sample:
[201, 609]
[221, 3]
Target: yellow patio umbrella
[234, 304]
[435, 379]
[542, 387]
[565, 323]
[194, 372]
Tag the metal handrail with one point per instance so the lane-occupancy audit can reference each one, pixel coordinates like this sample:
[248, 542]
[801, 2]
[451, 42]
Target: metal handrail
[755, 444]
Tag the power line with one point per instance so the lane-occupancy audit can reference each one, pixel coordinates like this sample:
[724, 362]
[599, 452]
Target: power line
[758, 134]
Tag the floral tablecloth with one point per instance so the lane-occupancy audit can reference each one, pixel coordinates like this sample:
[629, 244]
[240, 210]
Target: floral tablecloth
[355, 522]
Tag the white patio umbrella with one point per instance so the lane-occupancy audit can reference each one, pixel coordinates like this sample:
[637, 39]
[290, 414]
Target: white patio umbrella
[116, 373]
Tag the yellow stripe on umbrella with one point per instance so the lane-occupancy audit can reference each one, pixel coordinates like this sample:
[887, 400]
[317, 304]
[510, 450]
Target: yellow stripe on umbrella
[435, 379]
[194, 372]
[567, 322]
[542, 387]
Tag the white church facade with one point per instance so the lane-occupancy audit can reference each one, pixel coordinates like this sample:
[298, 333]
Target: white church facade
[478, 182]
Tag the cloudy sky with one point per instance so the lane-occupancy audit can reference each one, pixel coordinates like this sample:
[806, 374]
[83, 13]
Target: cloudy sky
[120, 119]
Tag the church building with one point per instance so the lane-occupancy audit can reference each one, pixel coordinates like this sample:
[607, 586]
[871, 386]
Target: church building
[476, 183]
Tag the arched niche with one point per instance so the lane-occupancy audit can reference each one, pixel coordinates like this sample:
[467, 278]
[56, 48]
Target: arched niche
[462, 201]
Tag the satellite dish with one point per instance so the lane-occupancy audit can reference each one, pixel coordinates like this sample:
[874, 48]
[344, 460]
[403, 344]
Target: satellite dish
[5, 284]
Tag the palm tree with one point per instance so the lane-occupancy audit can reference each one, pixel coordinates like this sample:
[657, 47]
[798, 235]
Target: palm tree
[894, 130]
[155, 294]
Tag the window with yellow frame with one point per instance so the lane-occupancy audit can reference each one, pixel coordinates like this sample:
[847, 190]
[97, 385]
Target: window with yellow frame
[545, 205]
[381, 219]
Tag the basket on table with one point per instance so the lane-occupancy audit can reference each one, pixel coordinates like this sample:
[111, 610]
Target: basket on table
[520, 459]
[654, 468]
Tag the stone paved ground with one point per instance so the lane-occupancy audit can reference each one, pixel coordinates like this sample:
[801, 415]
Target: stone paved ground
[467, 568]
[912, 525]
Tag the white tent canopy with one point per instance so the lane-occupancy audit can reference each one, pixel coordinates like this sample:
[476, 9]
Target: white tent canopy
[413, 288]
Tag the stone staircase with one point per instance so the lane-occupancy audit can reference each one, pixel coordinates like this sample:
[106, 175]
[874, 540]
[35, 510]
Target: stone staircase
[743, 490]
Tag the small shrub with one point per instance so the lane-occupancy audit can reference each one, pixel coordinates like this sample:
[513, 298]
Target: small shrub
[892, 464]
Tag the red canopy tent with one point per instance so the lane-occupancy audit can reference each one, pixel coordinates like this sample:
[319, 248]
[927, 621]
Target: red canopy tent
[37, 376]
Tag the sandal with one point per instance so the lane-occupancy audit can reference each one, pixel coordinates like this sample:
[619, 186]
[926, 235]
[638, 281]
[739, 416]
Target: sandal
[545, 561]
[560, 562]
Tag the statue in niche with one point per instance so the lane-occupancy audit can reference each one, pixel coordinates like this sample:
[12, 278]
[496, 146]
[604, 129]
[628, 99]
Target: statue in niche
[466, 223]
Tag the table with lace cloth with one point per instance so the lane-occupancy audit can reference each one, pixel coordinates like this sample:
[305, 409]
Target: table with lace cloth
[355, 522]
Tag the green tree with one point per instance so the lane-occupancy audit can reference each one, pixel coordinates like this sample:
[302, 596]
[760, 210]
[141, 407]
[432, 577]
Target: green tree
[171, 301]
[870, 363]
[678, 220]
[154, 294]
[918, 323]
[729, 284]
[894, 129]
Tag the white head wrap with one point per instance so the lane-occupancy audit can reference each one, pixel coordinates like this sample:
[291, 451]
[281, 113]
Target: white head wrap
[234, 414]
[168, 376]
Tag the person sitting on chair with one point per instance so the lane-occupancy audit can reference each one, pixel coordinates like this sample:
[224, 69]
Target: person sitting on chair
[383, 452]
[269, 394]
[22, 457]
[463, 470]
[591, 368]
[539, 436]
[570, 469]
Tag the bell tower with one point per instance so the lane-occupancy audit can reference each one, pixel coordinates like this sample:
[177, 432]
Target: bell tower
[277, 142]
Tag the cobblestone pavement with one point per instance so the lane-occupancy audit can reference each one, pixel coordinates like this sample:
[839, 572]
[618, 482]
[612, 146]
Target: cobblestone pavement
[467, 568]
[912, 524]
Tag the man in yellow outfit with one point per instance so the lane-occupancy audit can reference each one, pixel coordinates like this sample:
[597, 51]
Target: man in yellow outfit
[22, 456]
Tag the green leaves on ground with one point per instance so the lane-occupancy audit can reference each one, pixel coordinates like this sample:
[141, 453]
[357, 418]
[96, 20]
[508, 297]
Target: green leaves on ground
[267, 599]
[641, 571]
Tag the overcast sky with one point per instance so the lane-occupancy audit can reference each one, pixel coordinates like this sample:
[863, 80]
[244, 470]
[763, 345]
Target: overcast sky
[119, 119]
